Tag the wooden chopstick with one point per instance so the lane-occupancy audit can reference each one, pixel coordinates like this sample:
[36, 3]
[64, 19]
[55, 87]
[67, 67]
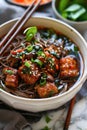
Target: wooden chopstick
[18, 26]
[15, 26]
[67, 122]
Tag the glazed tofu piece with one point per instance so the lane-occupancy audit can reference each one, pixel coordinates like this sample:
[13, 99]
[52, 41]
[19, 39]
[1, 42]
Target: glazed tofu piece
[68, 67]
[48, 90]
[11, 77]
[29, 74]
[11, 81]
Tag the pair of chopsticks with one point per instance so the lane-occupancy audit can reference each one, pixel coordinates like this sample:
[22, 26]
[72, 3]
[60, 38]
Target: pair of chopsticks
[68, 118]
[18, 26]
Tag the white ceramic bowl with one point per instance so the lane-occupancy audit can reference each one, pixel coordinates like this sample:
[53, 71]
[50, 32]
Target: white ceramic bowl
[36, 105]
[80, 26]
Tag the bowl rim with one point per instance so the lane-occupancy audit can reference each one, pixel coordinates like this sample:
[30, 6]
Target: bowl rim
[79, 81]
[64, 19]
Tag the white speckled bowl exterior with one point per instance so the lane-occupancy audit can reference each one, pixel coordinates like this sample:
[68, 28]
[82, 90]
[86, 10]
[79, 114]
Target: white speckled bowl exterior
[37, 105]
[80, 26]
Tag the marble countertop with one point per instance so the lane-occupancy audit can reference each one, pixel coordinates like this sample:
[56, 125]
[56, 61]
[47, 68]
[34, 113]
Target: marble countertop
[56, 118]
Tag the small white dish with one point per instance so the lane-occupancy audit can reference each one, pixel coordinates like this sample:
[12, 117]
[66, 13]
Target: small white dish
[81, 26]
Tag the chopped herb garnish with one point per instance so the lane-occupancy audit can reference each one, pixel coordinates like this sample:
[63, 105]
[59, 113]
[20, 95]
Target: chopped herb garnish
[49, 60]
[39, 62]
[47, 119]
[30, 32]
[42, 82]
[9, 72]
[29, 48]
[43, 79]
[27, 64]
[41, 53]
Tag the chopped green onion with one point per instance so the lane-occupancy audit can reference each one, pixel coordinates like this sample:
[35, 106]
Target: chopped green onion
[43, 79]
[27, 64]
[42, 82]
[39, 62]
[9, 72]
[41, 53]
[30, 32]
[29, 48]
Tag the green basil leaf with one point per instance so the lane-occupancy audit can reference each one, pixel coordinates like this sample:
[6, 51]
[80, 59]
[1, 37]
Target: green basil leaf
[30, 32]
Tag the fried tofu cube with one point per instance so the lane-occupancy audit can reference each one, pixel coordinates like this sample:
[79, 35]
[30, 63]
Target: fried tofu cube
[11, 81]
[47, 90]
[11, 77]
[29, 75]
[68, 67]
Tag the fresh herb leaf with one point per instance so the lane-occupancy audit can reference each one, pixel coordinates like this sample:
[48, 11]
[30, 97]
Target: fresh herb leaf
[47, 119]
[30, 32]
